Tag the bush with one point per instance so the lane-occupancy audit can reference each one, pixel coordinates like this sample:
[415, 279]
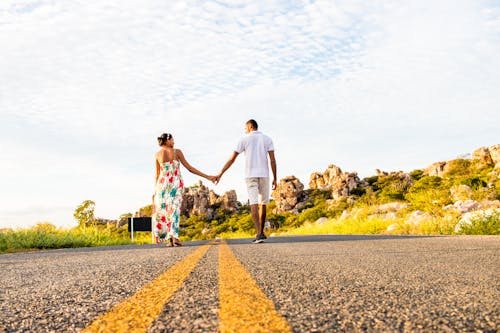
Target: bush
[417, 174]
[392, 187]
[481, 224]
[459, 168]
[429, 194]
[358, 191]
[474, 183]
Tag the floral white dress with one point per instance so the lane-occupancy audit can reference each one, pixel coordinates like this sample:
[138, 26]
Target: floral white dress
[167, 201]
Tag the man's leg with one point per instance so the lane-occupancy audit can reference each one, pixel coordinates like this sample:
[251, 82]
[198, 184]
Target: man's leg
[264, 200]
[253, 198]
[254, 209]
[262, 219]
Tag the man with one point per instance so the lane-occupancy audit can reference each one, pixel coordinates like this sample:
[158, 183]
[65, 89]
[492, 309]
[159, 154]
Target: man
[256, 146]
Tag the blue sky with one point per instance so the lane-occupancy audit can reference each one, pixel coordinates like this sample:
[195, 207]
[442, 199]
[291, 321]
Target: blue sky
[87, 86]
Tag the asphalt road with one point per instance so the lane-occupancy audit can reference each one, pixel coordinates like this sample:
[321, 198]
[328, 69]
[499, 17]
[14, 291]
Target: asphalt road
[316, 283]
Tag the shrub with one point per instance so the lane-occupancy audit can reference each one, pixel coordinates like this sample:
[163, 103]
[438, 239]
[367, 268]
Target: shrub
[486, 223]
[429, 194]
[474, 183]
[417, 174]
[358, 191]
[392, 187]
[459, 168]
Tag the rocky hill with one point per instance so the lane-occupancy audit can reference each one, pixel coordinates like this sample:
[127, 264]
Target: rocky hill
[456, 190]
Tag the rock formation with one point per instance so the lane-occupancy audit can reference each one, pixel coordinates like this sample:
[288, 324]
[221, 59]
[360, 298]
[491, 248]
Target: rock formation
[333, 179]
[229, 201]
[289, 195]
[437, 169]
[483, 156]
[486, 156]
[199, 200]
[495, 155]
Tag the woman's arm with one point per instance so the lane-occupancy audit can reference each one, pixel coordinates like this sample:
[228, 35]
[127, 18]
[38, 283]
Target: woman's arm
[190, 168]
[157, 169]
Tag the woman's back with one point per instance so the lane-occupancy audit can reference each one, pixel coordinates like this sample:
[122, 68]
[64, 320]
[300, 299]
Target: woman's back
[166, 155]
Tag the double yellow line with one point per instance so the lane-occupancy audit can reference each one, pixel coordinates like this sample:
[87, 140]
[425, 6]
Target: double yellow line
[243, 305]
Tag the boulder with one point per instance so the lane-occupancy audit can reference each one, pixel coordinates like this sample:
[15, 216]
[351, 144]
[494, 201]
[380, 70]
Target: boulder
[417, 217]
[229, 201]
[199, 200]
[469, 217]
[321, 220]
[392, 228]
[345, 215]
[435, 169]
[317, 181]
[392, 207]
[483, 156]
[495, 155]
[460, 192]
[333, 179]
[464, 206]
[289, 195]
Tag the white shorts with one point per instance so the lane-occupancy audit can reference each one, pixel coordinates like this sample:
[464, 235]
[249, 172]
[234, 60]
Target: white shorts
[258, 190]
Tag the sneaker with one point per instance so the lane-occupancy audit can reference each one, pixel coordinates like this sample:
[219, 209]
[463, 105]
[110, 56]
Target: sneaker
[263, 236]
[257, 240]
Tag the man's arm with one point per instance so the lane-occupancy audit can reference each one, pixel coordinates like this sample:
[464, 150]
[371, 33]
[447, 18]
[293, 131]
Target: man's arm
[228, 164]
[272, 159]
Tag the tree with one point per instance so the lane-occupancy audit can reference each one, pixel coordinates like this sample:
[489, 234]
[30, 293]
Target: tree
[84, 213]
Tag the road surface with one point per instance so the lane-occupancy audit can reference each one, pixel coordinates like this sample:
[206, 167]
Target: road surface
[287, 284]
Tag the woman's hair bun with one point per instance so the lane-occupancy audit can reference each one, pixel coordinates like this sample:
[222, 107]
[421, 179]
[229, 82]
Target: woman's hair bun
[164, 138]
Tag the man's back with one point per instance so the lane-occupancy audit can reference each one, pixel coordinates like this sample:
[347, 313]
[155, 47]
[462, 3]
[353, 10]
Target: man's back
[256, 146]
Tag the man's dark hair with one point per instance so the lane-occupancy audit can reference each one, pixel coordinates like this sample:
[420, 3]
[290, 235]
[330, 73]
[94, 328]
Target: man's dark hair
[253, 123]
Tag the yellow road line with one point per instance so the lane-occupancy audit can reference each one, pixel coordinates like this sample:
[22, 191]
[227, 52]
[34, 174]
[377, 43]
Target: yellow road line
[138, 311]
[243, 305]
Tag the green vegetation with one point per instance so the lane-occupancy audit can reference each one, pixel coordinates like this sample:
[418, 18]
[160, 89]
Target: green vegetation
[483, 224]
[359, 214]
[47, 236]
[426, 194]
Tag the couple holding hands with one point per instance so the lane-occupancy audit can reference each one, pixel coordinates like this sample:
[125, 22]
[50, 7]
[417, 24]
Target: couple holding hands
[169, 186]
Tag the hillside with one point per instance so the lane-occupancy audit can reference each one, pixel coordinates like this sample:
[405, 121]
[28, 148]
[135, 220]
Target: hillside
[457, 196]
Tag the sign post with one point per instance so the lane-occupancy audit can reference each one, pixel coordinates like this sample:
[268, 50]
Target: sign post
[140, 224]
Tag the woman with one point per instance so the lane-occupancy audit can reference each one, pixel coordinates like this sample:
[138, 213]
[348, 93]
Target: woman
[168, 190]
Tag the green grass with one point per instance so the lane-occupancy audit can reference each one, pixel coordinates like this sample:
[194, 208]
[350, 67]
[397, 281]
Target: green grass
[374, 225]
[237, 234]
[46, 236]
[345, 226]
[485, 224]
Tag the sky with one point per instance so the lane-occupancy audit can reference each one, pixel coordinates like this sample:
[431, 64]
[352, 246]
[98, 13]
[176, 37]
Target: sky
[86, 87]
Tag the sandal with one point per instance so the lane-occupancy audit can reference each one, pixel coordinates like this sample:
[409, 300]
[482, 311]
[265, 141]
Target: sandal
[177, 243]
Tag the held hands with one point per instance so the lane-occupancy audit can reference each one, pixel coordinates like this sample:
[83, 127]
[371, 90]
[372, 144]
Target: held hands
[214, 179]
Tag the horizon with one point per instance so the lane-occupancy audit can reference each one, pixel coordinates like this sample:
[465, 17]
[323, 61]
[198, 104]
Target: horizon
[87, 87]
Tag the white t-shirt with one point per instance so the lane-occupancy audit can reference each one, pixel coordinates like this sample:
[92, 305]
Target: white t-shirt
[256, 147]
